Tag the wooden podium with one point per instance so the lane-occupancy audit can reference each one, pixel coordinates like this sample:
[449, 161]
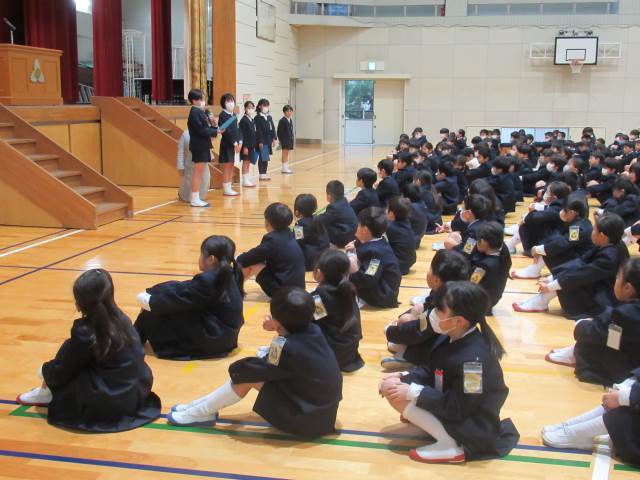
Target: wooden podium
[29, 75]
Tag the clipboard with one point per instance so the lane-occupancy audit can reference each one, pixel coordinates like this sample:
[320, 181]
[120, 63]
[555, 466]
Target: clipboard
[226, 124]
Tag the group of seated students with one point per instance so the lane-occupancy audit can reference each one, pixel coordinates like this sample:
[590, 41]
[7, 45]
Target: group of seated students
[443, 374]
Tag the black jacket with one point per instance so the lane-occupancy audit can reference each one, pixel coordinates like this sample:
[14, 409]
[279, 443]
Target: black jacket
[285, 133]
[248, 131]
[340, 222]
[302, 391]
[418, 218]
[200, 130]
[628, 208]
[378, 286]
[623, 425]
[401, 239]
[232, 134]
[112, 395]
[404, 176]
[366, 197]
[562, 245]
[491, 271]
[386, 190]
[312, 240]
[265, 131]
[505, 191]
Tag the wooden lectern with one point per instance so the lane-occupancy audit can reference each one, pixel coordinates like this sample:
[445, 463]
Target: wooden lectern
[29, 75]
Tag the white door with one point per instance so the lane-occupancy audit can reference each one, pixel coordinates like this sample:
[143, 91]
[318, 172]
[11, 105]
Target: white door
[389, 117]
[309, 116]
[358, 112]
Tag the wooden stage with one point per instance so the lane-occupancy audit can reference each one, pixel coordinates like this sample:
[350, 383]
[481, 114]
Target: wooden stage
[161, 242]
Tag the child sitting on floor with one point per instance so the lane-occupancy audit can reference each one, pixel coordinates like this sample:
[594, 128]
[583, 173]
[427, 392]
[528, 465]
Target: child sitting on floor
[308, 230]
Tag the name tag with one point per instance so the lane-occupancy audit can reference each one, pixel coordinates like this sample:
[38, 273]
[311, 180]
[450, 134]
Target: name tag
[275, 350]
[372, 269]
[321, 311]
[574, 233]
[469, 245]
[614, 338]
[477, 275]
[298, 231]
[439, 380]
[472, 372]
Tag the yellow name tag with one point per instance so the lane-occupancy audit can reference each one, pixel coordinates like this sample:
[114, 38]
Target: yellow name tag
[424, 321]
[321, 311]
[574, 233]
[372, 269]
[468, 246]
[477, 275]
[275, 350]
[472, 378]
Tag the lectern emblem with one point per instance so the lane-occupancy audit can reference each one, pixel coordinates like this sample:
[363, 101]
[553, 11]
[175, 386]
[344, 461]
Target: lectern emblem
[37, 76]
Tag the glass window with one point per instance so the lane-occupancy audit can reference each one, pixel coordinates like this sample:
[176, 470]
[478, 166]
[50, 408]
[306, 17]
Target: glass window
[358, 99]
[591, 8]
[362, 11]
[557, 8]
[472, 10]
[421, 10]
[308, 8]
[613, 7]
[525, 9]
[336, 10]
[390, 11]
[492, 9]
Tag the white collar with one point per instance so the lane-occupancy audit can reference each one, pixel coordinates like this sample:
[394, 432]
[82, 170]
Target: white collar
[229, 112]
[375, 239]
[265, 115]
[465, 334]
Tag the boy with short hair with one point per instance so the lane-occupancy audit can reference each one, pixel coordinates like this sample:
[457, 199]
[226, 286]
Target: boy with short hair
[387, 186]
[400, 235]
[286, 137]
[447, 186]
[338, 220]
[602, 188]
[405, 170]
[308, 230]
[477, 209]
[367, 196]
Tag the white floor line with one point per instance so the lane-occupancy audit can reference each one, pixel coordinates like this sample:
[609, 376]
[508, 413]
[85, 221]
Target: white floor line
[601, 465]
[154, 207]
[298, 162]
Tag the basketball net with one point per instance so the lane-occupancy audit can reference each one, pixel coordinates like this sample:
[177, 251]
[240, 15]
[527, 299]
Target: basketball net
[576, 66]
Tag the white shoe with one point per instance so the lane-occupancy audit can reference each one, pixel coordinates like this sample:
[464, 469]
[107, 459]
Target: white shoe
[511, 231]
[286, 170]
[246, 181]
[37, 397]
[435, 453]
[228, 191]
[264, 177]
[553, 428]
[566, 437]
[418, 299]
[187, 418]
[198, 203]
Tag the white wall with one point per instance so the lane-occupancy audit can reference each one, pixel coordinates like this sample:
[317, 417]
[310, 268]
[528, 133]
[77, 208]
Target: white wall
[265, 68]
[480, 75]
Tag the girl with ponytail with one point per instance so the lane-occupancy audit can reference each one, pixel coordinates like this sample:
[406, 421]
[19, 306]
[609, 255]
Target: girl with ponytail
[98, 381]
[197, 318]
[337, 312]
[457, 395]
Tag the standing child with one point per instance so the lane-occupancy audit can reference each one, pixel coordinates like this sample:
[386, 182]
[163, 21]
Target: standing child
[299, 382]
[387, 186]
[457, 396]
[265, 137]
[399, 233]
[200, 132]
[98, 381]
[286, 137]
[337, 313]
[374, 267]
[367, 196]
[309, 231]
[185, 167]
[278, 261]
[198, 318]
[230, 145]
[249, 154]
[338, 220]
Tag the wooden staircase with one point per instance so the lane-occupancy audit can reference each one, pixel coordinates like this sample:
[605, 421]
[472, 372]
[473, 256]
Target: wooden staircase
[44, 185]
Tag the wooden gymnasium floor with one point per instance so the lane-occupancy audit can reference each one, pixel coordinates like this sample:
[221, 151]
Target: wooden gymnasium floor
[161, 242]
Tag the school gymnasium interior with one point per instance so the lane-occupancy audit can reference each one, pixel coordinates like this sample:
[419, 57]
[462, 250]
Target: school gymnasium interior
[91, 110]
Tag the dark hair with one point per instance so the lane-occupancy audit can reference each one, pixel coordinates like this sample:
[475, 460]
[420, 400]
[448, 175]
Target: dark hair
[558, 161]
[492, 233]
[502, 163]
[631, 273]
[293, 308]
[375, 219]
[625, 185]
[578, 204]
[444, 130]
[225, 98]
[334, 265]
[469, 301]
[559, 190]
[368, 177]
[287, 108]
[224, 250]
[611, 225]
[249, 103]
[110, 329]
[479, 205]
[195, 94]
[482, 187]
[578, 163]
[401, 207]
[386, 165]
[447, 169]
[335, 189]
[450, 265]
[571, 179]
[411, 191]
[423, 177]
[263, 102]
[278, 215]
[306, 204]
[611, 164]
[406, 158]
[598, 155]
[484, 151]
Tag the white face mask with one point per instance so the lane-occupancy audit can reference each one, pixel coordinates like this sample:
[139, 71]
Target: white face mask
[494, 171]
[605, 171]
[265, 110]
[566, 168]
[550, 167]
[229, 106]
[434, 320]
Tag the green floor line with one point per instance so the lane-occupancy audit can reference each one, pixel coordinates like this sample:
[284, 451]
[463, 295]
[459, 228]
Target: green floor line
[625, 468]
[22, 412]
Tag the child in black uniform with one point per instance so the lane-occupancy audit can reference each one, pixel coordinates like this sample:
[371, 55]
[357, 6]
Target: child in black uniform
[309, 232]
[230, 145]
[265, 137]
[490, 262]
[447, 187]
[502, 182]
[198, 318]
[584, 285]
[367, 196]
[299, 381]
[98, 381]
[476, 211]
[286, 137]
[405, 170]
[607, 347]
[431, 199]
[624, 202]
[249, 153]
[400, 234]
[418, 218]
[374, 267]
[338, 220]
[337, 313]
[457, 395]
[278, 261]
[387, 186]
[602, 188]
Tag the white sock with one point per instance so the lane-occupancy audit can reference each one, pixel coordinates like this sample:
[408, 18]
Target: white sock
[215, 401]
[533, 270]
[195, 197]
[563, 355]
[429, 423]
[539, 301]
[585, 417]
[226, 187]
[513, 242]
[588, 428]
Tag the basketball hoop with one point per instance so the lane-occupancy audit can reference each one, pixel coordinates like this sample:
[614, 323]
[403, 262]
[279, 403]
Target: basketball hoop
[576, 66]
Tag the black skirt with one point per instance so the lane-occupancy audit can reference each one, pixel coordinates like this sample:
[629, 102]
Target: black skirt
[201, 156]
[226, 155]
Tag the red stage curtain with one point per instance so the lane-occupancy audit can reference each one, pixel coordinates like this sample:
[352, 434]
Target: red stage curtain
[52, 24]
[12, 11]
[107, 48]
[162, 76]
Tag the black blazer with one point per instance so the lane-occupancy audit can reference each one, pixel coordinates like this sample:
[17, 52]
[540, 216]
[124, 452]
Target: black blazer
[402, 243]
[340, 222]
[313, 242]
[200, 130]
[265, 131]
[491, 273]
[232, 134]
[248, 132]
[285, 133]
[386, 190]
[378, 287]
[366, 197]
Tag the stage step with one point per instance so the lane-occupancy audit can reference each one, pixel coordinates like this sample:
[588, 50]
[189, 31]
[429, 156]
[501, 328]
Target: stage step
[91, 193]
[149, 119]
[24, 145]
[107, 212]
[47, 161]
[6, 129]
[70, 177]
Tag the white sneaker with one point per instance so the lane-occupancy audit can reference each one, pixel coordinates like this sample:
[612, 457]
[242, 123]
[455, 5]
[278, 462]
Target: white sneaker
[437, 246]
[511, 231]
[36, 397]
[554, 427]
[230, 192]
[198, 203]
[286, 170]
[435, 453]
[246, 181]
[418, 299]
[566, 437]
[187, 418]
